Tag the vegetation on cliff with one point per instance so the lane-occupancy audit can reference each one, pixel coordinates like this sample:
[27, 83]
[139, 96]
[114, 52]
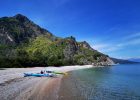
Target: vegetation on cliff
[23, 44]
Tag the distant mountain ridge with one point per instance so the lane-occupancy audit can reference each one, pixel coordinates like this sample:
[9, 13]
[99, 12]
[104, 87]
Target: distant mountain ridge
[122, 61]
[134, 59]
[23, 43]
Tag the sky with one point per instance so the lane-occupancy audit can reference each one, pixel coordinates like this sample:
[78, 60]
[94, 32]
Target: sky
[109, 26]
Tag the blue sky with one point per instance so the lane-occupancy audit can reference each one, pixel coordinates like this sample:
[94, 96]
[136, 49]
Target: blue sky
[110, 26]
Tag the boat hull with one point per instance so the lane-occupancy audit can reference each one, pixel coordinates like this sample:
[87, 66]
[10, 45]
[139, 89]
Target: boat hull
[38, 75]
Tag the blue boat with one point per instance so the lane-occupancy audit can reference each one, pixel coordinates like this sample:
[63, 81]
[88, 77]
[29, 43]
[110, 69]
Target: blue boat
[38, 75]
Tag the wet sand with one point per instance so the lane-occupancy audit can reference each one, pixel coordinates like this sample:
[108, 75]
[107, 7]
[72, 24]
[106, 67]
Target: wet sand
[69, 89]
[13, 86]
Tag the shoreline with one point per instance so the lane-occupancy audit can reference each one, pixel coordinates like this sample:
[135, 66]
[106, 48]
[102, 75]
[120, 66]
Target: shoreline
[14, 86]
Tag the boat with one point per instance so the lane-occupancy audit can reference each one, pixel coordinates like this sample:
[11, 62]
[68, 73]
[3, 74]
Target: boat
[63, 73]
[38, 75]
[45, 73]
[55, 72]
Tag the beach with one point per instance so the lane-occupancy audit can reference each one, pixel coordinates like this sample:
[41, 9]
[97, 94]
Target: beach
[14, 86]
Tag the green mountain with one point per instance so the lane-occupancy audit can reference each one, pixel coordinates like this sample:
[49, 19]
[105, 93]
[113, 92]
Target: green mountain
[23, 44]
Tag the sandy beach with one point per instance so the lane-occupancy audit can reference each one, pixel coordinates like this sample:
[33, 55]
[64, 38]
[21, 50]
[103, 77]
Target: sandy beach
[14, 86]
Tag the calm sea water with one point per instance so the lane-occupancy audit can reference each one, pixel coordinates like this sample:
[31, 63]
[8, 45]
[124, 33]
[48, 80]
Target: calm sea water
[120, 82]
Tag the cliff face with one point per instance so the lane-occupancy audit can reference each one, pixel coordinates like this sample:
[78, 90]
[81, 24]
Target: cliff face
[31, 45]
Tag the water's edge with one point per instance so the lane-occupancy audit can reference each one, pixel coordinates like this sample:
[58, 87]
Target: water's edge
[105, 83]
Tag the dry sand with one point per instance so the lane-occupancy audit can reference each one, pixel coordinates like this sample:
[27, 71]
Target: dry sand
[13, 86]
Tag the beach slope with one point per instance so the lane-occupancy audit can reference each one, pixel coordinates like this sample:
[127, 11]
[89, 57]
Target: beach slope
[14, 86]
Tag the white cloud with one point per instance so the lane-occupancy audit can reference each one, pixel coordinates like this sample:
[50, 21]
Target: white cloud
[133, 36]
[100, 46]
[105, 48]
[111, 47]
[130, 42]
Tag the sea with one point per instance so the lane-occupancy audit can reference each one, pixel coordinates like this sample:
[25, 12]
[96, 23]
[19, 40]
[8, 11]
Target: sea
[119, 82]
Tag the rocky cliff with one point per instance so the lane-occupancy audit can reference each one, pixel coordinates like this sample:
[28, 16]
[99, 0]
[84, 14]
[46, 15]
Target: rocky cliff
[23, 43]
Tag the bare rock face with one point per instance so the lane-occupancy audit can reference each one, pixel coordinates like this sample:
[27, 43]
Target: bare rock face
[84, 44]
[70, 50]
